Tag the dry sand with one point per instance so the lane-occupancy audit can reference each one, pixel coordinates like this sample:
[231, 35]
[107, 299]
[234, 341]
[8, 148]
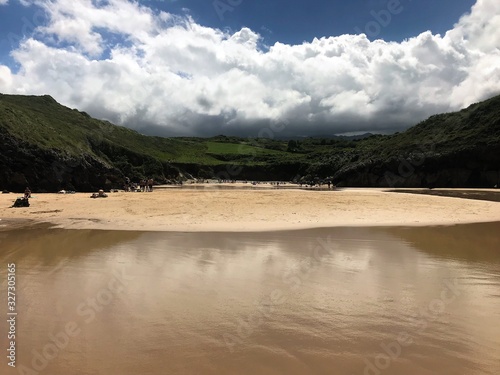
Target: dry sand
[210, 208]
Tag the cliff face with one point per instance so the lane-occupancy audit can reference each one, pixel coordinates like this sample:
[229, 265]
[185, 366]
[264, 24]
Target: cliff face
[22, 164]
[471, 168]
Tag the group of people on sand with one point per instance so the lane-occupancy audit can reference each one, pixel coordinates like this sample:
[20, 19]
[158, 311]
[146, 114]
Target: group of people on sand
[144, 185]
[318, 184]
[99, 194]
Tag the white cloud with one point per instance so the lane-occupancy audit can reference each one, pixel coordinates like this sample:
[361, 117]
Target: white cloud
[4, 2]
[480, 28]
[5, 78]
[116, 59]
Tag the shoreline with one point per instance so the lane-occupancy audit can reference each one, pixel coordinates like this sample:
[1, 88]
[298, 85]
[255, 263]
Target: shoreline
[491, 195]
[27, 224]
[208, 209]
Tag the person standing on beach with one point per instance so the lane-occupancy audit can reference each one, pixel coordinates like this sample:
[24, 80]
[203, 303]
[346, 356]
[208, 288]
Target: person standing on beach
[150, 185]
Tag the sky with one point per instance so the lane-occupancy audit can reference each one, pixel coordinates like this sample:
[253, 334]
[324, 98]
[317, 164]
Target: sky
[242, 67]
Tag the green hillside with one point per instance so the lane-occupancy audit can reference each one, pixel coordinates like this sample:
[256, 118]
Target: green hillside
[49, 147]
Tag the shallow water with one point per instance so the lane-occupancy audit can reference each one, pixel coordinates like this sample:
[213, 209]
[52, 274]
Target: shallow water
[325, 301]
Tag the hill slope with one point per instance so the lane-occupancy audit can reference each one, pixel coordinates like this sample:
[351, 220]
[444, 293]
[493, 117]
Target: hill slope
[460, 149]
[50, 147]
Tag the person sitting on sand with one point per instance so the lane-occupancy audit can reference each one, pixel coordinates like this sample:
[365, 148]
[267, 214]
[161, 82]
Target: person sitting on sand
[27, 193]
[100, 194]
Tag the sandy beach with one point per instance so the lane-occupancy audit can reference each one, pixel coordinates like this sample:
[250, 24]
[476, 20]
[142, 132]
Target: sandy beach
[209, 208]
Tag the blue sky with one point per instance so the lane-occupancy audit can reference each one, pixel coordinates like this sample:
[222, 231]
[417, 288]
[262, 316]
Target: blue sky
[193, 67]
[295, 21]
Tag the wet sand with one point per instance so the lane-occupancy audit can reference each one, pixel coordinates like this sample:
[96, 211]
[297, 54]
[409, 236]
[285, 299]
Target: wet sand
[222, 208]
[347, 301]
[484, 194]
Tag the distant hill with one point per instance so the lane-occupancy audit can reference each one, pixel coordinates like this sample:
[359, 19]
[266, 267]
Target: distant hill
[460, 149]
[325, 136]
[50, 147]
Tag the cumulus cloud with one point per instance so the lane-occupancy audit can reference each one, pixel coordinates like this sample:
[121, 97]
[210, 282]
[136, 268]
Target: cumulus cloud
[4, 2]
[167, 74]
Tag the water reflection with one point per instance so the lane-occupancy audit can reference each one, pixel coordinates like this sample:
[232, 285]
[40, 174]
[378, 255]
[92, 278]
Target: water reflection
[324, 301]
[472, 242]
